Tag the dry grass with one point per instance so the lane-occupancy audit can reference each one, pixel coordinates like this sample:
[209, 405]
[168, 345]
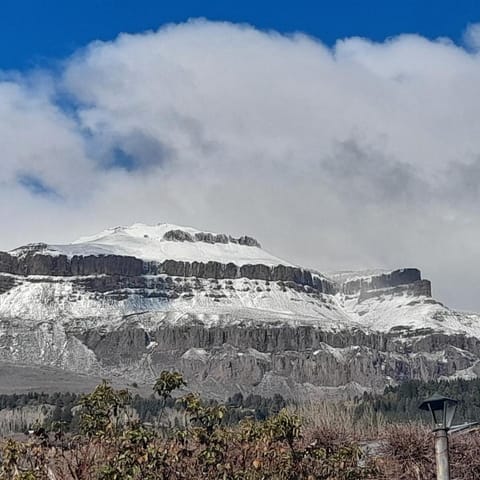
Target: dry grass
[341, 416]
[400, 451]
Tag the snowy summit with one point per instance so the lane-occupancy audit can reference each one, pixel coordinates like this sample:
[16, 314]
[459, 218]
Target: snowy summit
[165, 241]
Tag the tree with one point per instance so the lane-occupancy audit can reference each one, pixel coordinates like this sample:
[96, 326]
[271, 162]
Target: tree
[101, 410]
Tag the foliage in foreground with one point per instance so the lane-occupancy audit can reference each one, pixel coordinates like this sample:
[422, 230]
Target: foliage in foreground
[114, 446]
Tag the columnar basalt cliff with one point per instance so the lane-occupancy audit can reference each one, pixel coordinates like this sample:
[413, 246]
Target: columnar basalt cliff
[132, 301]
[33, 263]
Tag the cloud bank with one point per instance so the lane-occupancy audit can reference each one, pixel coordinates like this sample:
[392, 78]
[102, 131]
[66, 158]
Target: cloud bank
[361, 155]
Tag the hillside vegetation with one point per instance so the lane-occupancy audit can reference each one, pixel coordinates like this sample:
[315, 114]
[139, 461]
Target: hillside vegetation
[101, 436]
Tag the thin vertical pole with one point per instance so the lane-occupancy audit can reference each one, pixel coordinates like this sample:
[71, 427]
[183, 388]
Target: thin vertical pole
[441, 455]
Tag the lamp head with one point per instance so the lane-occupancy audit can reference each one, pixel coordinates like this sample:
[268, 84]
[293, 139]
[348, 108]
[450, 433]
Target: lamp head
[442, 410]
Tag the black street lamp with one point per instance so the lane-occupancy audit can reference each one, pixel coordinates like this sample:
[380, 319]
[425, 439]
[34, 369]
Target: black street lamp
[443, 410]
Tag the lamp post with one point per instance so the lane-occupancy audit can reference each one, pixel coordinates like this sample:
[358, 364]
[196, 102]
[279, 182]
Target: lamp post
[442, 410]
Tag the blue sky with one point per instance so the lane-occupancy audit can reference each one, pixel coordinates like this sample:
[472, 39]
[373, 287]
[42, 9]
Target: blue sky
[34, 32]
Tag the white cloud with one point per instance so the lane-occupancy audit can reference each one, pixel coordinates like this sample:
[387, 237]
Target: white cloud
[363, 155]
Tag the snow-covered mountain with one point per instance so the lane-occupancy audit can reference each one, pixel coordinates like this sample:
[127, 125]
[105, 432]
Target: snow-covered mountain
[170, 242]
[134, 300]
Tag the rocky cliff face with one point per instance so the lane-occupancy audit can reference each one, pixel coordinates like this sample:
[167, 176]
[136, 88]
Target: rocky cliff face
[132, 302]
[36, 263]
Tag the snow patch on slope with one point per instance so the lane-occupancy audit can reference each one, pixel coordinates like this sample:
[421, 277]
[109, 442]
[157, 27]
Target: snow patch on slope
[213, 303]
[234, 302]
[406, 312]
[147, 242]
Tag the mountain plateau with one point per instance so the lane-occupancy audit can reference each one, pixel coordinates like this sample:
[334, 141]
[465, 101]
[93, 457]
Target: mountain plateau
[132, 301]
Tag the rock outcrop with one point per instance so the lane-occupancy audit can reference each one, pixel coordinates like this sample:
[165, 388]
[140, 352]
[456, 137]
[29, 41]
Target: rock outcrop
[220, 361]
[33, 263]
[37, 263]
[404, 276]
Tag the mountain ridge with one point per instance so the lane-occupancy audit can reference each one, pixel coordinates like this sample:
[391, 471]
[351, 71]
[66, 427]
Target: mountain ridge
[88, 307]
